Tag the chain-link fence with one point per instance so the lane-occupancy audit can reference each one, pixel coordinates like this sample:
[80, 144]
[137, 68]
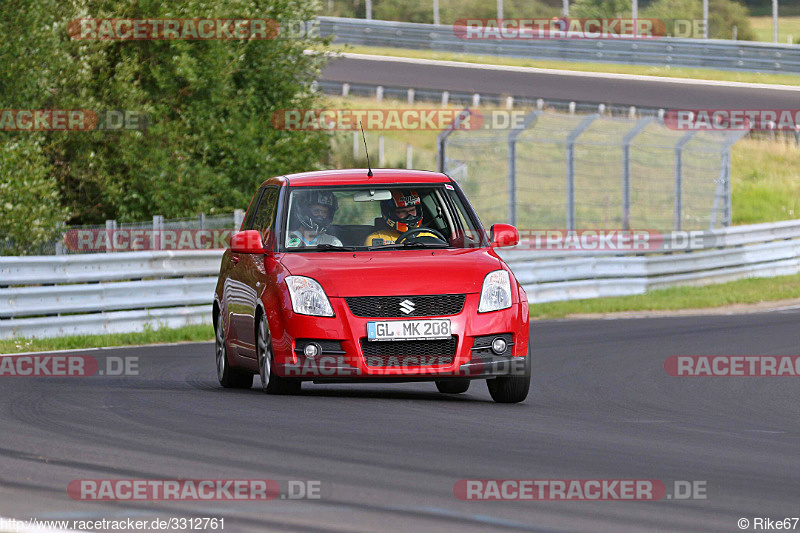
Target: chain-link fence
[562, 170]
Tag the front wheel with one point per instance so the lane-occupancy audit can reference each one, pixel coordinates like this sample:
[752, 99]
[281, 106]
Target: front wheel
[270, 382]
[228, 377]
[511, 389]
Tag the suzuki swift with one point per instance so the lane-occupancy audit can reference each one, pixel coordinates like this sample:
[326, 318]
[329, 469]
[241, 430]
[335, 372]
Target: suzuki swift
[356, 276]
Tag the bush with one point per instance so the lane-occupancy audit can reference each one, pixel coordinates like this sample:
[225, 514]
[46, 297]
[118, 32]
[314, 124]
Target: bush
[723, 15]
[29, 198]
[210, 142]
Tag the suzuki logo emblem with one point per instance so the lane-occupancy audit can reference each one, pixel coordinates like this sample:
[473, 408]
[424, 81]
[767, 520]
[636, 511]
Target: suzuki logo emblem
[407, 306]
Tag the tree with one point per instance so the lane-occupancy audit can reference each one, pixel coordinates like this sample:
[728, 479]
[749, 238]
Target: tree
[209, 142]
[30, 214]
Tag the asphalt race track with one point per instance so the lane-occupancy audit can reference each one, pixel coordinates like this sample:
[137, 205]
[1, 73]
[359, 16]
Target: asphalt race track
[388, 456]
[579, 87]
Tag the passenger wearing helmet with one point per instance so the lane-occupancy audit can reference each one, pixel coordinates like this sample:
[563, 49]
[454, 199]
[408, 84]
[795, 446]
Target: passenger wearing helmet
[400, 214]
[312, 213]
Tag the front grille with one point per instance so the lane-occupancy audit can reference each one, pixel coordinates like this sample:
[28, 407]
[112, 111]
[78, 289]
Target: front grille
[392, 306]
[409, 353]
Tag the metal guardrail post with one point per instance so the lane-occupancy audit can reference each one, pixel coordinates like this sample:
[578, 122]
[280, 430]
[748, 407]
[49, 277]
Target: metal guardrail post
[441, 140]
[676, 222]
[573, 135]
[529, 119]
[158, 231]
[626, 169]
[238, 219]
[111, 227]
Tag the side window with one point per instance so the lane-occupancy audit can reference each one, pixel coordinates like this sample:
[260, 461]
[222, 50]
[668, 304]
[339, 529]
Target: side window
[264, 219]
[251, 211]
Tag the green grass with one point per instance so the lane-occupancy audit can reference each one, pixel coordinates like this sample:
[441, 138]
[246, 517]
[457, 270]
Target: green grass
[762, 26]
[664, 71]
[150, 336]
[746, 291]
[765, 176]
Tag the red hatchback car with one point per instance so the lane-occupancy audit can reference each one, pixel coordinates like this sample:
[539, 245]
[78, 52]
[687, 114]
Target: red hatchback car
[342, 276]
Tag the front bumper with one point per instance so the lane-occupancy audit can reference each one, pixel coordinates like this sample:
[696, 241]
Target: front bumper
[342, 357]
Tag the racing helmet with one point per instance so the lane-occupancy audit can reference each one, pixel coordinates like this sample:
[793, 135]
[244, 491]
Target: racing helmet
[402, 198]
[307, 219]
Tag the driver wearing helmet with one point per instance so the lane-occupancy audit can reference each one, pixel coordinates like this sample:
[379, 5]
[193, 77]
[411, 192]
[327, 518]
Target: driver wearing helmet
[402, 213]
[312, 214]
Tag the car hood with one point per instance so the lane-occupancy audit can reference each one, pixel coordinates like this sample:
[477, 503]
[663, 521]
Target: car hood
[395, 273]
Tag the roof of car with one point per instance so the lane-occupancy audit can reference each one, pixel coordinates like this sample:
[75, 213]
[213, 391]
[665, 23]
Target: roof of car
[358, 176]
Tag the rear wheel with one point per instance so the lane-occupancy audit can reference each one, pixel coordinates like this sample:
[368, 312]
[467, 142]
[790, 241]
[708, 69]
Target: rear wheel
[230, 378]
[452, 386]
[270, 382]
[511, 389]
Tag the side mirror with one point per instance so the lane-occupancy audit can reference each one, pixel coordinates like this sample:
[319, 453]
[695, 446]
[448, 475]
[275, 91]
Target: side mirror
[247, 242]
[504, 235]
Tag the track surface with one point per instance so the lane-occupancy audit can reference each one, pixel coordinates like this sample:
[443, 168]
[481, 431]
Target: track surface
[580, 88]
[601, 407]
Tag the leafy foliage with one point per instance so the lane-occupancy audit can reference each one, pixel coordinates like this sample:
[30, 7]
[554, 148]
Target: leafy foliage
[29, 198]
[209, 142]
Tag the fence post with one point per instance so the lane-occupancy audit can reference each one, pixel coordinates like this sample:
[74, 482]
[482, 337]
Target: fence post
[202, 221]
[409, 156]
[355, 146]
[679, 179]
[441, 139]
[573, 135]
[158, 231]
[238, 219]
[381, 152]
[626, 169]
[529, 119]
[111, 226]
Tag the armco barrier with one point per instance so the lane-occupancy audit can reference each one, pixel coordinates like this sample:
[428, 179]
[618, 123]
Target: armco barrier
[708, 53]
[48, 296]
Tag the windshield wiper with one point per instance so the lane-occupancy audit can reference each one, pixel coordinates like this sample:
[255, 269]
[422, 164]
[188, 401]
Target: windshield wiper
[409, 244]
[327, 246]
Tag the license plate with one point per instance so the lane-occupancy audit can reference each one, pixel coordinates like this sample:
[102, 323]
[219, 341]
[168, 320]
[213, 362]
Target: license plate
[407, 330]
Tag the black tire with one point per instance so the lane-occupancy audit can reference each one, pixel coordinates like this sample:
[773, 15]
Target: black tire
[230, 378]
[270, 382]
[511, 389]
[452, 386]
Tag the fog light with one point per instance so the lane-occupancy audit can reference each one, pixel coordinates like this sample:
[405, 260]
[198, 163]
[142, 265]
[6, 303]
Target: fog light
[498, 346]
[312, 350]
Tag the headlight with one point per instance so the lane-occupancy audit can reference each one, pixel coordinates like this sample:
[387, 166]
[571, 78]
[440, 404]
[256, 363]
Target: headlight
[496, 292]
[307, 296]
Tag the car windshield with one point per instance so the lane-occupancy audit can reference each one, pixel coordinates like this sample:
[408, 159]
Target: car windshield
[391, 217]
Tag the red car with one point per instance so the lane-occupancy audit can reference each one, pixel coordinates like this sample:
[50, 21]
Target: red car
[354, 275]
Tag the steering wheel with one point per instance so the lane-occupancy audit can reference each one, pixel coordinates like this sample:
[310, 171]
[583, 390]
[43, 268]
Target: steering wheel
[416, 231]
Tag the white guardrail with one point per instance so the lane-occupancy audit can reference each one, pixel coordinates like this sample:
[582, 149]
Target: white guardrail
[48, 296]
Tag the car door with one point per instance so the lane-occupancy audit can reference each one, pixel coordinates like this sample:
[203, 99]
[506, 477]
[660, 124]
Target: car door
[244, 282]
